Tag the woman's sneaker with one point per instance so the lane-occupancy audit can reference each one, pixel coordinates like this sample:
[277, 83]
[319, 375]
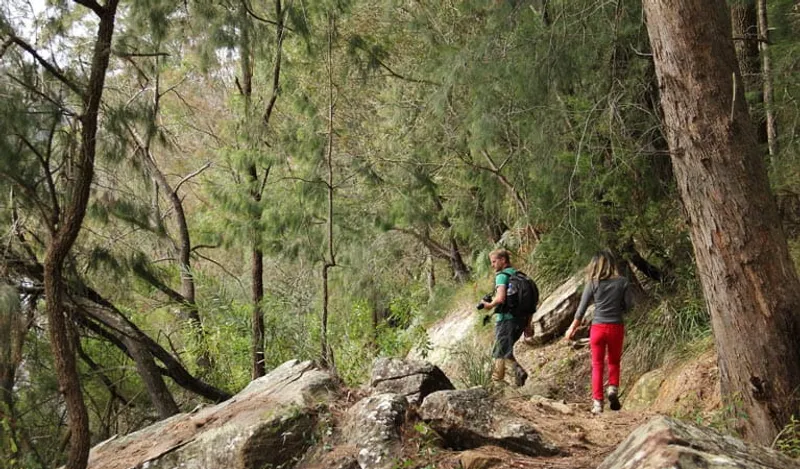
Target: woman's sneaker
[597, 406]
[613, 398]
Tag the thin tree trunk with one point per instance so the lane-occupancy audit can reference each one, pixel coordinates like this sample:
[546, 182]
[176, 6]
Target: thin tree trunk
[13, 328]
[748, 277]
[431, 275]
[766, 78]
[330, 257]
[744, 22]
[64, 237]
[159, 394]
[257, 367]
[188, 301]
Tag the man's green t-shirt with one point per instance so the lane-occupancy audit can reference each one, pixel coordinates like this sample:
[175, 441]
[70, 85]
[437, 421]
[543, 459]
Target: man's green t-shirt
[502, 278]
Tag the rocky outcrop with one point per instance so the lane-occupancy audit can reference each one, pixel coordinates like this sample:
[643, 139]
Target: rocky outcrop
[470, 418]
[268, 424]
[373, 428]
[555, 314]
[665, 442]
[413, 379]
[447, 335]
[645, 391]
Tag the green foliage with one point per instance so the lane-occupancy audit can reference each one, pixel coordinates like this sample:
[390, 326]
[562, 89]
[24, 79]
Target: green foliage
[788, 440]
[473, 365]
[728, 419]
[666, 331]
[479, 125]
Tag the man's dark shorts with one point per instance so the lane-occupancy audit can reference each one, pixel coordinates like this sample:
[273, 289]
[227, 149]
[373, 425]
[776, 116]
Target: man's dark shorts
[506, 334]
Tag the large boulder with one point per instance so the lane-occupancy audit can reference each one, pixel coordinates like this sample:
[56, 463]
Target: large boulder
[270, 423]
[413, 379]
[373, 428]
[555, 314]
[665, 442]
[470, 418]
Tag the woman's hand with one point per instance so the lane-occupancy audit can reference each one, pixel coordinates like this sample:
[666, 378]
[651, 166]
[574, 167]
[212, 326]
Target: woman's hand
[573, 328]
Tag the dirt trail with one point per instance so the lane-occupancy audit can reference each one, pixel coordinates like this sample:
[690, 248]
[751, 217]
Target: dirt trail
[585, 439]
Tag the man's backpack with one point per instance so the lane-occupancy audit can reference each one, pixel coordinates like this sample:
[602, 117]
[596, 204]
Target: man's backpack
[522, 295]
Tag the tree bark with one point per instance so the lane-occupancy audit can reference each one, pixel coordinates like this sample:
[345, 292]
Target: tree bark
[744, 23]
[748, 278]
[64, 237]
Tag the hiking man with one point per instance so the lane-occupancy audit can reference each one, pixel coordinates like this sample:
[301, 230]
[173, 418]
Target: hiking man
[508, 327]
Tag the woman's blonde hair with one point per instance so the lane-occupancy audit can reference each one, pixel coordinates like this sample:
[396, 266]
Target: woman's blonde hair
[603, 266]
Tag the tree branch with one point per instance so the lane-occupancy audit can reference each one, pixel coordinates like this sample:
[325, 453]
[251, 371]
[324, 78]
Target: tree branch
[250, 12]
[191, 175]
[48, 66]
[92, 5]
[127, 55]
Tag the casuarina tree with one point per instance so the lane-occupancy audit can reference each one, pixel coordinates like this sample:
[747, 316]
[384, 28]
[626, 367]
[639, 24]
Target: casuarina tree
[742, 257]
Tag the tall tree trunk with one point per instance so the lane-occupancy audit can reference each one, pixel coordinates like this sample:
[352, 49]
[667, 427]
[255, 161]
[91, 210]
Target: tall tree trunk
[329, 259]
[766, 78]
[744, 22]
[748, 278]
[64, 237]
[257, 367]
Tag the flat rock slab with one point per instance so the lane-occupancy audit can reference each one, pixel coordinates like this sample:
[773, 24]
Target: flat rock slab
[667, 443]
[268, 424]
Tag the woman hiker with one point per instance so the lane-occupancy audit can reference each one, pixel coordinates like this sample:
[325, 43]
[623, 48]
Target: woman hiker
[612, 297]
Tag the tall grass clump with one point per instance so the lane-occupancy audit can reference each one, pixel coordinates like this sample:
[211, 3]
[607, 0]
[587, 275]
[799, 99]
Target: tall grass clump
[664, 332]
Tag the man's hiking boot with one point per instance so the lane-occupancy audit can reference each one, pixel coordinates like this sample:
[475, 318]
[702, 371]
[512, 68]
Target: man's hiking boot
[613, 398]
[597, 406]
[520, 376]
[498, 369]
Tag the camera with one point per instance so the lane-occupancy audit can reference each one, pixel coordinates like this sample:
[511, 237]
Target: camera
[487, 298]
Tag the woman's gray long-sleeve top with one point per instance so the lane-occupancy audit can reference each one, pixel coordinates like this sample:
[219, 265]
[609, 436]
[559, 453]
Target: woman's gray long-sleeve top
[612, 298]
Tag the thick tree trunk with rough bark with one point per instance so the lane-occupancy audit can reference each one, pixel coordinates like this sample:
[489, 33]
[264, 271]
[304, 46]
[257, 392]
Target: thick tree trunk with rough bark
[748, 278]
